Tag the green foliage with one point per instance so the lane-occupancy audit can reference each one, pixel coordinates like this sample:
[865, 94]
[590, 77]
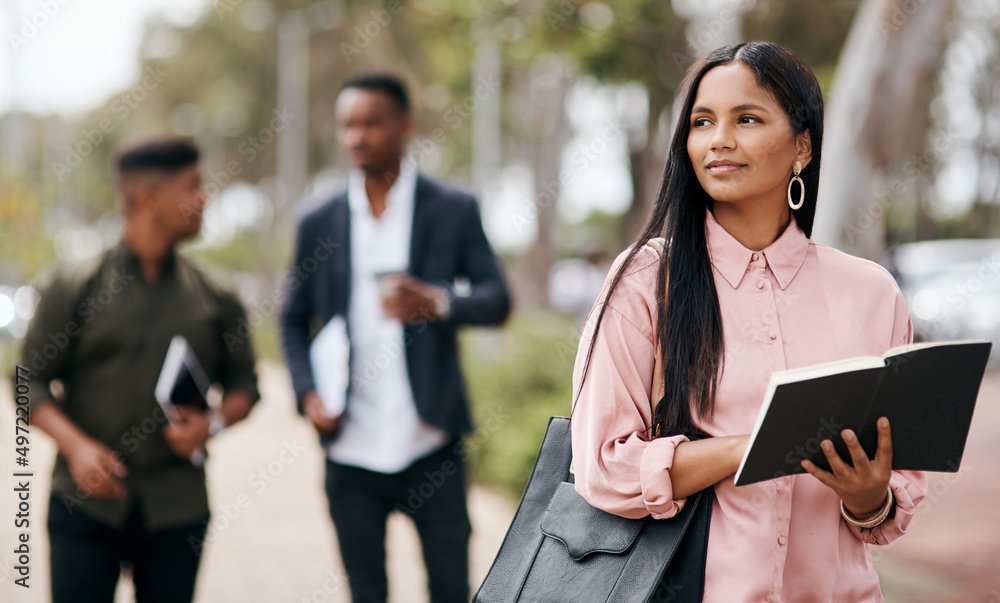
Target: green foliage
[517, 378]
[23, 207]
[625, 41]
[600, 234]
[266, 339]
[259, 260]
[250, 251]
[815, 30]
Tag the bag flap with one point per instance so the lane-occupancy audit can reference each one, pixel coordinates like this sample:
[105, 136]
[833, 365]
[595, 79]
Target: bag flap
[585, 529]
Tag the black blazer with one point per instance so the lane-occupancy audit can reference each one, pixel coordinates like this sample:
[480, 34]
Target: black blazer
[447, 243]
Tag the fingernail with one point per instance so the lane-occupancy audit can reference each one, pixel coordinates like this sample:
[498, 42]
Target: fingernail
[827, 445]
[883, 423]
[848, 435]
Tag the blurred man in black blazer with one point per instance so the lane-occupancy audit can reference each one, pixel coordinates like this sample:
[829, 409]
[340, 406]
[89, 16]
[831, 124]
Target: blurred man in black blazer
[385, 256]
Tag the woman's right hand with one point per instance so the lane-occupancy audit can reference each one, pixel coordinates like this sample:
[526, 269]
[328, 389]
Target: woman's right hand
[96, 469]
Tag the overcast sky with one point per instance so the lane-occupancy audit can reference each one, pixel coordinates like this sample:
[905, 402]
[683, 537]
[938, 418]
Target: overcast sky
[72, 55]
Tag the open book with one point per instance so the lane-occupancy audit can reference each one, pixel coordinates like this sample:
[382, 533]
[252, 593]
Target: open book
[928, 392]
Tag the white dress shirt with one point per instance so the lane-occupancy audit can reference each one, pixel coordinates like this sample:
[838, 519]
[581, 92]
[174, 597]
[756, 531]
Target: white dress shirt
[382, 431]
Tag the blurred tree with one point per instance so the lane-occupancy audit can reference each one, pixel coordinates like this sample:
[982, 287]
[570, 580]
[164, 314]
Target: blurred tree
[646, 42]
[814, 30]
[543, 90]
[22, 204]
[216, 80]
[963, 146]
[890, 57]
[633, 41]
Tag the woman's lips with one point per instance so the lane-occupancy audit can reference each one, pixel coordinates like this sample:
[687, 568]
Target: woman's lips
[723, 169]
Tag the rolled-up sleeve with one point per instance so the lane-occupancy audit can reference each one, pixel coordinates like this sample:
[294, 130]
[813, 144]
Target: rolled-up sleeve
[617, 467]
[908, 487]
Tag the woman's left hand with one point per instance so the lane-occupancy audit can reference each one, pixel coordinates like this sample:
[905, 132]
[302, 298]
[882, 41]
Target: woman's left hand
[863, 486]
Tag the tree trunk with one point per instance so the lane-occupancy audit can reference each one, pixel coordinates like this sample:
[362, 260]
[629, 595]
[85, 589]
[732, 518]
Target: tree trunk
[892, 50]
[549, 83]
[646, 164]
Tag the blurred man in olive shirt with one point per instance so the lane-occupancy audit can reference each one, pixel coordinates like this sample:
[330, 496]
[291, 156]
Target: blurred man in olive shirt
[124, 487]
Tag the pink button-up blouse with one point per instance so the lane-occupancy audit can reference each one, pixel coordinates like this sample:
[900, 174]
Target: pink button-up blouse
[793, 304]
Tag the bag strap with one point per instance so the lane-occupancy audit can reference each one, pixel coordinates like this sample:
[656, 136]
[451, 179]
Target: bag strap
[657, 390]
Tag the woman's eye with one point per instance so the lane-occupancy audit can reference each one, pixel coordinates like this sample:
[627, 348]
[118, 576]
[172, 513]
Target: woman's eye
[749, 119]
[701, 121]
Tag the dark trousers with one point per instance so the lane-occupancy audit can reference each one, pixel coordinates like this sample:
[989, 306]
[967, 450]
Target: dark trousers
[87, 557]
[432, 492]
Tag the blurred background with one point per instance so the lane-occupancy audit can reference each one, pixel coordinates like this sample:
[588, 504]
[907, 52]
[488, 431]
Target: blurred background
[555, 113]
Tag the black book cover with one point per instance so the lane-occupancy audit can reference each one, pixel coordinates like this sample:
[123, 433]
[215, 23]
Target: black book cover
[927, 391]
[946, 380]
[182, 381]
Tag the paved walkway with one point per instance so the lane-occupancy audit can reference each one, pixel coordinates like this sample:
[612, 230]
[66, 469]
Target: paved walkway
[951, 553]
[271, 540]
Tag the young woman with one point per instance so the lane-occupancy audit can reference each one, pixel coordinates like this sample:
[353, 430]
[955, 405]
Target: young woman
[746, 294]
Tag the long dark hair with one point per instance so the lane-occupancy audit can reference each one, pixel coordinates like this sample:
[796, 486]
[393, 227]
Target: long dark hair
[689, 329]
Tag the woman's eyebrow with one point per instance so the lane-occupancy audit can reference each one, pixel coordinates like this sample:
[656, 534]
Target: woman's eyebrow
[736, 109]
[749, 107]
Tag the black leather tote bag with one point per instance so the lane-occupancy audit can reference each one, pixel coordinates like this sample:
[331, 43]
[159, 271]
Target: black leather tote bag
[559, 548]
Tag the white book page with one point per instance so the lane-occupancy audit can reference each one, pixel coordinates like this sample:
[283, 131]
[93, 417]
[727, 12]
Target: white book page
[329, 356]
[171, 366]
[828, 368]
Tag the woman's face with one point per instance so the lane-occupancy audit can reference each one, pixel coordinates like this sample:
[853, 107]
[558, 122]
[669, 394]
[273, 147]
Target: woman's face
[741, 144]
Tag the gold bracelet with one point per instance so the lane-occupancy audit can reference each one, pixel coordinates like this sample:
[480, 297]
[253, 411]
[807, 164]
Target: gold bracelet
[877, 519]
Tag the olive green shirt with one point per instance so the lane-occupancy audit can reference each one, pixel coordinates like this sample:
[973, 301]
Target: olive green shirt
[95, 347]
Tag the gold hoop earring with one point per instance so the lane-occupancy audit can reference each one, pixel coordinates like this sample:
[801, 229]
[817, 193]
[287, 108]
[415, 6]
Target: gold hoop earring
[802, 187]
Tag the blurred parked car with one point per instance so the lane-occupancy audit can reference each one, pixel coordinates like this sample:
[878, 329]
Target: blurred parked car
[952, 288]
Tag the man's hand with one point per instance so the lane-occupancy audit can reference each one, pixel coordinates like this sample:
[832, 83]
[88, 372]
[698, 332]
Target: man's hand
[314, 410]
[96, 469]
[187, 431]
[863, 486]
[410, 299]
